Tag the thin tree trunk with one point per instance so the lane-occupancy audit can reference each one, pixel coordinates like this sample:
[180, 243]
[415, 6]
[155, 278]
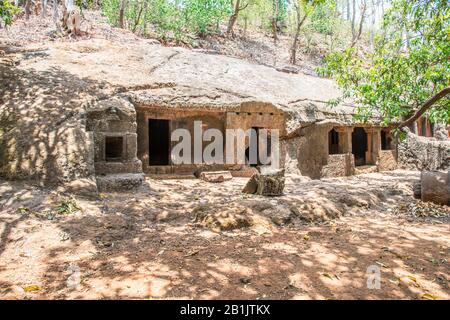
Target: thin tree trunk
[121, 13]
[353, 19]
[55, 12]
[348, 10]
[27, 9]
[275, 21]
[372, 31]
[43, 5]
[361, 22]
[233, 17]
[138, 19]
[300, 22]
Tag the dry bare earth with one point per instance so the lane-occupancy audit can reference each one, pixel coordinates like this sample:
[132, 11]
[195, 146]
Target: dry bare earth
[144, 244]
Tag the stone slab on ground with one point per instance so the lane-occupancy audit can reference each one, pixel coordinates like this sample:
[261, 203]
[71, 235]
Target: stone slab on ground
[216, 176]
[116, 182]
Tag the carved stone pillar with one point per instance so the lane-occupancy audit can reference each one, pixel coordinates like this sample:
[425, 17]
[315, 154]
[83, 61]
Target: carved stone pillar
[373, 144]
[345, 139]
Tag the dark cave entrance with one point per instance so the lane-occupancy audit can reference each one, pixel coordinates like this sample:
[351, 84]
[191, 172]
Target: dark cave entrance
[159, 142]
[254, 144]
[359, 146]
[333, 142]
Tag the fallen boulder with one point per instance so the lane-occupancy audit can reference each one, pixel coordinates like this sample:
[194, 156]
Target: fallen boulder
[269, 182]
[435, 187]
[216, 176]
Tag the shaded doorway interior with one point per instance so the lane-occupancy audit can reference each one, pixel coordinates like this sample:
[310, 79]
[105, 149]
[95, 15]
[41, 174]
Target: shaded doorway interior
[159, 142]
[386, 140]
[333, 142]
[359, 146]
[113, 149]
[254, 143]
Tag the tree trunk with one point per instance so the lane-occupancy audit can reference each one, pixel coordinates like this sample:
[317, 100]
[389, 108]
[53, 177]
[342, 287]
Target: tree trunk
[357, 35]
[27, 9]
[300, 22]
[274, 21]
[425, 106]
[55, 14]
[353, 19]
[233, 18]
[138, 18]
[43, 5]
[348, 10]
[372, 31]
[121, 13]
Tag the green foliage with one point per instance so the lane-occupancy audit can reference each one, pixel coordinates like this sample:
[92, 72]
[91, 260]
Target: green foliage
[203, 16]
[323, 19]
[111, 11]
[176, 18]
[68, 205]
[404, 70]
[7, 11]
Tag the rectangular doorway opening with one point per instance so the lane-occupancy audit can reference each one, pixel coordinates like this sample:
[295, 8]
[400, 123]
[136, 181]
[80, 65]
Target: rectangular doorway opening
[159, 142]
[359, 146]
[113, 149]
[255, 144]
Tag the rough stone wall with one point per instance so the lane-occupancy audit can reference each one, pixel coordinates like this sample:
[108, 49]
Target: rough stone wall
[339, 165]
[386, 160]
[246, 116]
[423, 153]
[310, 149]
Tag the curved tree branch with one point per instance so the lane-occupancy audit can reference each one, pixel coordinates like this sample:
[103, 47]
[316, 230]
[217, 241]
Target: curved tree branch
[426, 105]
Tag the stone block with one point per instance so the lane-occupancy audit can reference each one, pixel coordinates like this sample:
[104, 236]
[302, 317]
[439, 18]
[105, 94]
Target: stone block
[216, 176]
[269, 182]
[435, 187]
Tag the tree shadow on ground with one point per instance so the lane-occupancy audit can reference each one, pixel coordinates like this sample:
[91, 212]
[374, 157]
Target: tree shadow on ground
[135, 257]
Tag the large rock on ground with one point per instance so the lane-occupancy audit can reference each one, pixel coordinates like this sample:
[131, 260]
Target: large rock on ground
[435, 187]
[270, 182]
[421, 153]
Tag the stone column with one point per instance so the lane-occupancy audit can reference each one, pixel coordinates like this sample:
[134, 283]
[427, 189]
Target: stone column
[345, 139]
[373, 144]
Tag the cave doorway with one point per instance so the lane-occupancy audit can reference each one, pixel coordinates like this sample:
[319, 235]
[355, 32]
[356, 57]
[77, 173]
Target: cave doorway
[359, 146]
[333, 142]
[159, 142]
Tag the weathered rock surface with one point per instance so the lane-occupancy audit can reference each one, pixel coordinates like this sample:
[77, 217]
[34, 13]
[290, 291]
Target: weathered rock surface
[117, 182]
[422, 153]
[269, 182]
[435, 187]
[227, 218]
[216, 176]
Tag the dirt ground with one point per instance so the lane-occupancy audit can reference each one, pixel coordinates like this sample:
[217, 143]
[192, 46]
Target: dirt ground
[145, 245]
